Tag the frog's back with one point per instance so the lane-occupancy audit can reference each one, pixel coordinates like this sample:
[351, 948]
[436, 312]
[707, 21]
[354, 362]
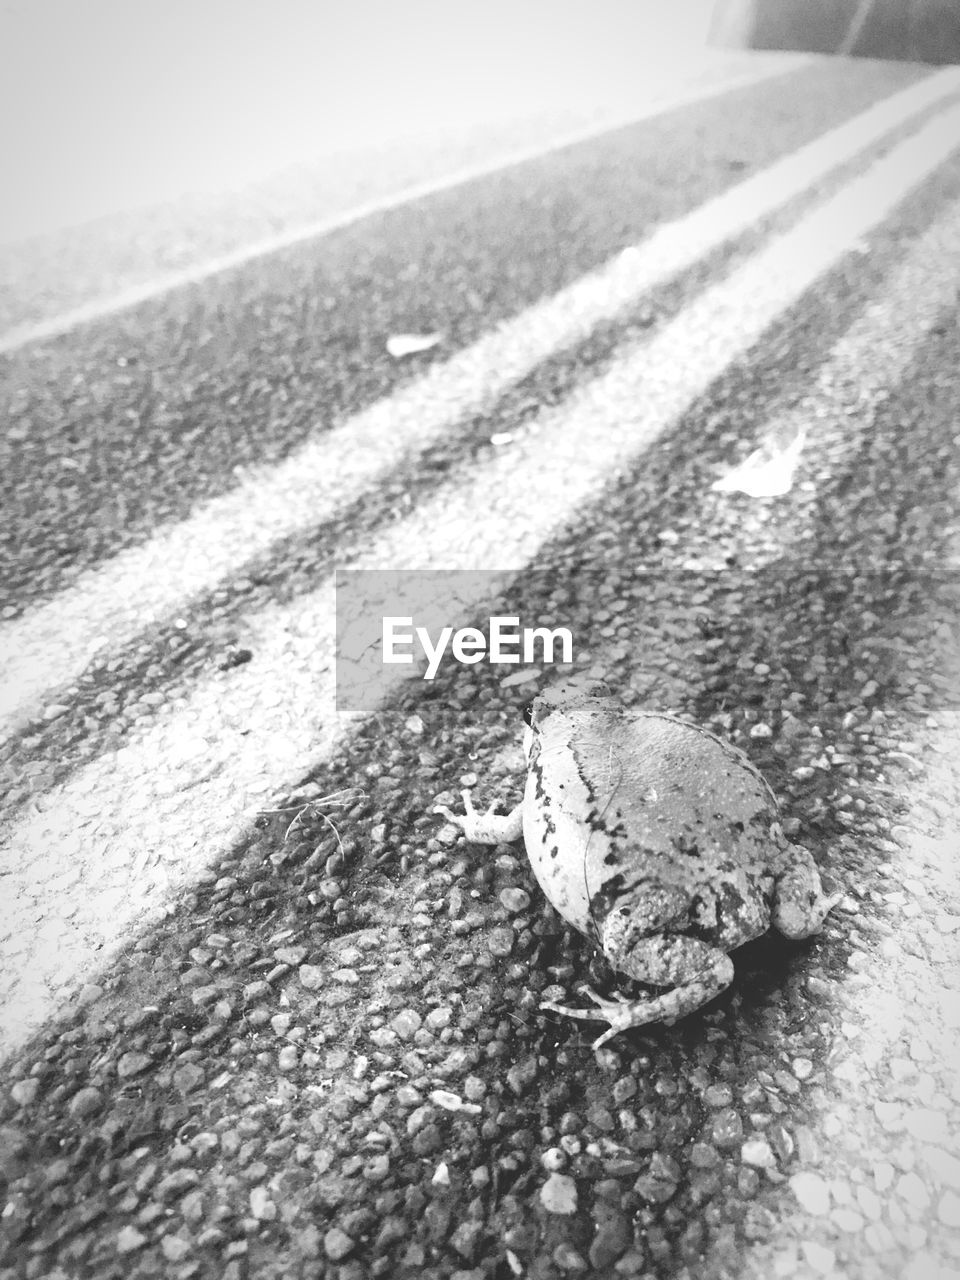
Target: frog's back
[662, 775]
[657, 809]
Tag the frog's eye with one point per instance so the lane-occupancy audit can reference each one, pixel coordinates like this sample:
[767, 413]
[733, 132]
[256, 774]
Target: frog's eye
[528, 713]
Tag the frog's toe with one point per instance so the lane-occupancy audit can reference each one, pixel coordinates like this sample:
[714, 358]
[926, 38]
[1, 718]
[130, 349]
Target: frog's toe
[613, 1001]
[464, 819]
[489, 827]
[801, 917]
[827, 903]
[620, 1012]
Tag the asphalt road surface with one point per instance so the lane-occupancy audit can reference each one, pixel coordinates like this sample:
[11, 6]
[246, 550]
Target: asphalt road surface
[695, 394]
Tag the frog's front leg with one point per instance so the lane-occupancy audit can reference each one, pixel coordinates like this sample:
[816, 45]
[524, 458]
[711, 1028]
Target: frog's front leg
[799, 904]
[485, 828]
[694, 970]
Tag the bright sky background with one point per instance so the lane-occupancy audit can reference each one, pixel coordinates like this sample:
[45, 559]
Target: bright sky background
[111, 104]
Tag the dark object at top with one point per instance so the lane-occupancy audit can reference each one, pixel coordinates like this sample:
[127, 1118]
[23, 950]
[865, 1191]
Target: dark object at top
[903, 30]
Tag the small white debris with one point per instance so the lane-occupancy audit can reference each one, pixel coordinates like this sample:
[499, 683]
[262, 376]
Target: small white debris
[442, 1176]
[767, 473]
[501, 437]
[410, 344]
[451, 1102]
[559, 1194]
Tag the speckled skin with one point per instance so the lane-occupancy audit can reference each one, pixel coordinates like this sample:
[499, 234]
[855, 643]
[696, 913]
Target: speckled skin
[658, 840]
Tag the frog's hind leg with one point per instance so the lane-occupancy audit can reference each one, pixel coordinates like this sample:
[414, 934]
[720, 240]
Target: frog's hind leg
[694, 970]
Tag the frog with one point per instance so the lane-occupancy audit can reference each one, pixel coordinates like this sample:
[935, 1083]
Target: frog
[656, 839]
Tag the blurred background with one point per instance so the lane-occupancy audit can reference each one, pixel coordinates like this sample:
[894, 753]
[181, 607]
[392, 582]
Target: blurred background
[111, 105]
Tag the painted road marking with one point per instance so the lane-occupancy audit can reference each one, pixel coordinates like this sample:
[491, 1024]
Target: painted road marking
[52, 644]
[100, 308]
[93, 861]
[867, 361]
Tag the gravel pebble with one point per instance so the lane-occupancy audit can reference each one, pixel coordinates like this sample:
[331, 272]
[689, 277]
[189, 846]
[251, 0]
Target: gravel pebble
[559, 1194]
[500, 941]
[261, 1205]
[132, 1064]
[406, 1023]
[726, 1129]
[25, 1091]
[85, 1102]
[130, 1239]
[337, 1244]
[287, 1058]
[569, 1259]
[758, 1153]
[176, 1183]
[174, 1248]
[312, 977]
[188, 1077]
[515, 900]
[466, 1239]
[811, 1191]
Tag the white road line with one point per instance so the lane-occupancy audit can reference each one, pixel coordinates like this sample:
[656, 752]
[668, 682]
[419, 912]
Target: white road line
[122, 301]
[870, 358]
[881, 1012]
[896, 1001]
[52, 644]
[93, 860]
[607, 422]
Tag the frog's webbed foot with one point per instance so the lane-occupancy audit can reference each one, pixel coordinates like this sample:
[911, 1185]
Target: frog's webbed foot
[618, 1011]
[622, 1014]
[825, 904]
[484, 828]
[799, 905]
